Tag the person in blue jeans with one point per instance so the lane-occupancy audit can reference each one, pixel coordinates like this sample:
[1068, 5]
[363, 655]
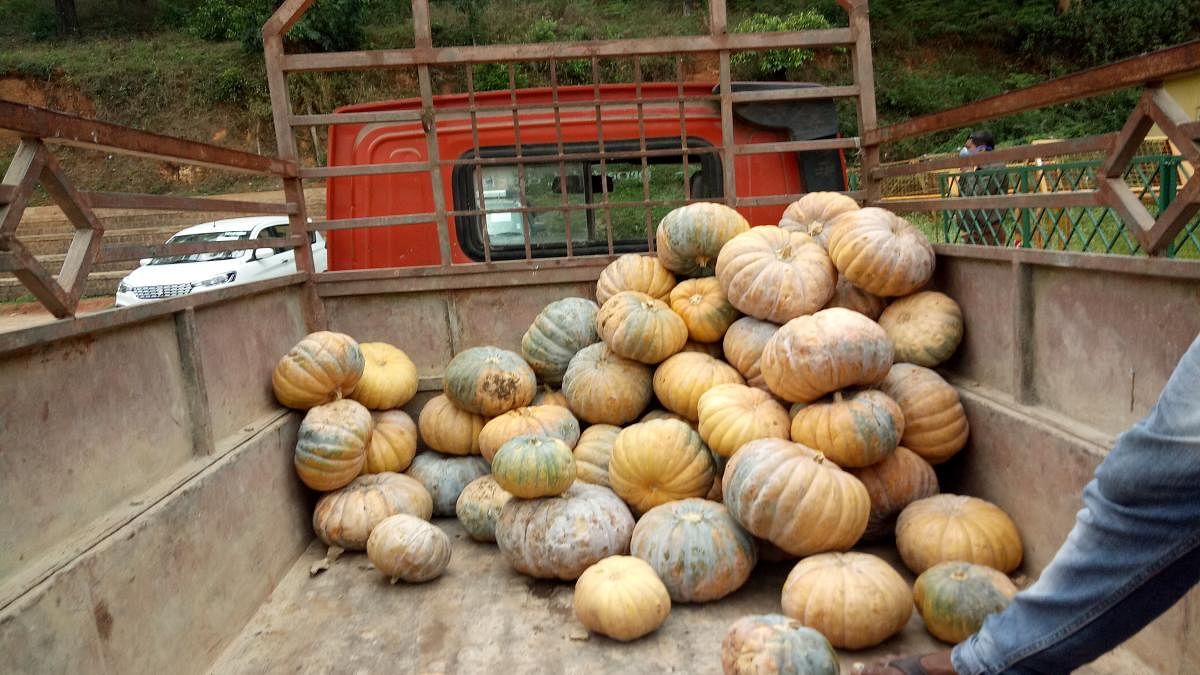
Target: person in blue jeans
[1134, 552]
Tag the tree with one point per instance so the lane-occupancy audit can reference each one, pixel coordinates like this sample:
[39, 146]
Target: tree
[68, 19]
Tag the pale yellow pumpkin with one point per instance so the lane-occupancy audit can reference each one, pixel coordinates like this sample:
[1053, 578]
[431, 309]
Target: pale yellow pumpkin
[393, 442]
[689, 238]
[849, 296]
[880, 252]
[593, 452]
[407, 548]
[814, 213]
[548, 396]
[705, 310]
[819, 354]
[636, 326]
[659, 461]
[331, 445]
[743, 347]
[389, 378]
[956, 527]
[732, 415]
[776, 275]
[925, 327]
[346, 517]
[621, 597]
[935, 425]
[635, 272]
[664, 415]
[323, 367]
[856, 600]
[852, 428]
[539, 420]
[603, 388]
[681, 380]
[449, 429]
[713, 349]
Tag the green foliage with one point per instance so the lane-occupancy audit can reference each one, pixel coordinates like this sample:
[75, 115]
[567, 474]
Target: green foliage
[1100, 31]
[33, 18]
[330, 25]
[775, 63]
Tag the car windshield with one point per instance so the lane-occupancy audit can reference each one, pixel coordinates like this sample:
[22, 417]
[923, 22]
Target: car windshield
[201, 238]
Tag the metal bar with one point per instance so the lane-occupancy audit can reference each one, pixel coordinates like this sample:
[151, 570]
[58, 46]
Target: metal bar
[85, 245]
[1099, 262]
[728, 156]
[1053, 200]
[355, 118]
[1170, 118]
[647, 214]
[798, 146]
[282, 20]
[577, 156]
[562, 165]
[191, 361]
[1174, 218]
[476, 172]
[1131, 72]
[26, 121]
[135, 200]
[797, 94]
[603, 163]
[1128, 139]
[39, 282]
[863, 70]
[481, 270]
[364, 170]
[122, 252]
[455, 112]
[656, 46]
[683, 137]
[1098, 143]
[377, 221]
[482, 276]
[423, 38]
[8, 262]
[516, 128]
[775, 200]
[1191, 130]
[21, 177]
[7, 193]
[717, 17]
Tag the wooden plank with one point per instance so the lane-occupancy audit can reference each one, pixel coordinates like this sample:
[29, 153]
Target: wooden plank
[717, 17]
[1043, 200]
[135, 200]
[378, 117]
[373, 221]
[1166, 268]
[464, 277]
[1131, 72]
[285, 17]
[538, 264]
[1129, 140]
[775, 200]
[656, 46]
[315, 318]
[7, 193]
[728, 149]
[121, 252]
[8, 262]
[1098, 143]
[1171, 118]
[1191, 130]
[423, 38]
[1129, 208]
[863, 70]
[281, 106]
[38, 281]
[365, 170]
[195, 388]
[799, 146]
[21, 176]
[1021, 281]
[795, 94]
[85, 245]
[1174, 218]
[18, 120]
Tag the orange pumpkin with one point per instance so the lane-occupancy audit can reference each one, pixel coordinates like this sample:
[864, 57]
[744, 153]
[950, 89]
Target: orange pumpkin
[638, 327]
[393, 442]
[955, 527]
[635, 272]
[447, 428]
[539, 420]
[849, 296]
[743, 346]
[548, 396]
[323, 367]
[657, 462]
[880, 252]
[856, 600]
[331, 445]
[819, 354]
[899, 480]
[935, 425]
[682, 379]
[603, 388]
[732, 415]
[704, 309]
[814, 213]
[775, 275]
[925, 327]
[690, 237]
[346, 517]
[853, 428]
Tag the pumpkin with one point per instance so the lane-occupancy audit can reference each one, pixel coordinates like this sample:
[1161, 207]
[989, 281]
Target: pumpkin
[690, 237]
[789, 495]
[855, 600]
[954, 597]
[743, 346]
[389, 378]
[489, 381]
[603, 388]
[770, 644]
[558, 331]
[814, 213]
[449, 429]
[406, 548]
[704, 309]
[696, 548]
[593, 452]
[323, 367]
[534, 466]
[956, 527]
[547, 396]
[880, 252]
[852, 428]
[331, 445]
[819, 354]
[732, 415]
[393, 442]
[712, 349]
[635, 272]
[925, 327]
[775, 275]
[636, 326]
[445, 476]
[682, 379]
[851, 297]
[620, 597]
[935, 425]
[345, 518]
[899, 480]
[657, 462]
[536, 420]
[478, 507]
[659, 414]
[560, 537]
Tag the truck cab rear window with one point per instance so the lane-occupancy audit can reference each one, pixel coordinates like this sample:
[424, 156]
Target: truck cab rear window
[583, 213]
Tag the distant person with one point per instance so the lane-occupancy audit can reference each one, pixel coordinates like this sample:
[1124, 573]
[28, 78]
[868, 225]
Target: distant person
[981, 226]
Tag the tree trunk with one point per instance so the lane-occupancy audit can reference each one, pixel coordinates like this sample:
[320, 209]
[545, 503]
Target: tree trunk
[68, 21]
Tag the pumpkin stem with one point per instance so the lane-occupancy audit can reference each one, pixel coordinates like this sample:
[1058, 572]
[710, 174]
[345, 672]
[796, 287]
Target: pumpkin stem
[697, 299]
[959, 575]
[815, 228]
[837, 397]
[786, 251]
[819, 458]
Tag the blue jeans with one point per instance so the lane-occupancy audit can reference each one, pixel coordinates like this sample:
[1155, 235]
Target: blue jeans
[1134, 550]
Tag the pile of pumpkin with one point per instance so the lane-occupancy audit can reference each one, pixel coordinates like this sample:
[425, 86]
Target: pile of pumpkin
[825, 313]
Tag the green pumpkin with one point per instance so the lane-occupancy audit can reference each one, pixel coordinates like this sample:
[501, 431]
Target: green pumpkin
[953, 598]
[698, 549]
[690, 237]
[534, 466]
[773, 643]
[479, 506]
[558, 332]
[445, 476]
[489, 381]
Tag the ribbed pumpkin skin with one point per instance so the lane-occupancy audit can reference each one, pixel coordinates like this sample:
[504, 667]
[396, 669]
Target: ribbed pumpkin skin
[743, 346]
[557, 333]
[819, 354]
[681, 380]
[788, 494]
[732, 415]
[851, 297]
[855, 600]
[880, 252]
[852, 428]
[690, 237]
[899, 480]
[814, 213]
[449, 429]
[478, 507]
[956, 527]
[331, 446]
[536, 420]
[953, 598]
[489, 381]
[659, 461]
[773, 644]
[559, 537]
[322, 367]
[548, 396]
[593, 452]
[635, 272]
[776, 275]
[534, 466]
[621, 597]
[705, 310]
[935, 425]
[445, 476]
[636, 326]
[389, 378]
[925, 327]
[712, 349]
[409, 549]
[659, 414]
[696, 548]
[345, 518]
[603, 388]
[393, 442]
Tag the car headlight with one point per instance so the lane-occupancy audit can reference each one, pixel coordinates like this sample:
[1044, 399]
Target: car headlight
[226, 278]
[122, 287]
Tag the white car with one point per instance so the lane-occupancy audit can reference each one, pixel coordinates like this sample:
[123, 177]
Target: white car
[177, 275]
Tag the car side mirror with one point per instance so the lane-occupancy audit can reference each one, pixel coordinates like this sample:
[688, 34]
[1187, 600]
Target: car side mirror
[145, 261]
[260, 253]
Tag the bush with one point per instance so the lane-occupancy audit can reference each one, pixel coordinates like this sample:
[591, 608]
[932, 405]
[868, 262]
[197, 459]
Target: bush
[775, 63]
[329, 25]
